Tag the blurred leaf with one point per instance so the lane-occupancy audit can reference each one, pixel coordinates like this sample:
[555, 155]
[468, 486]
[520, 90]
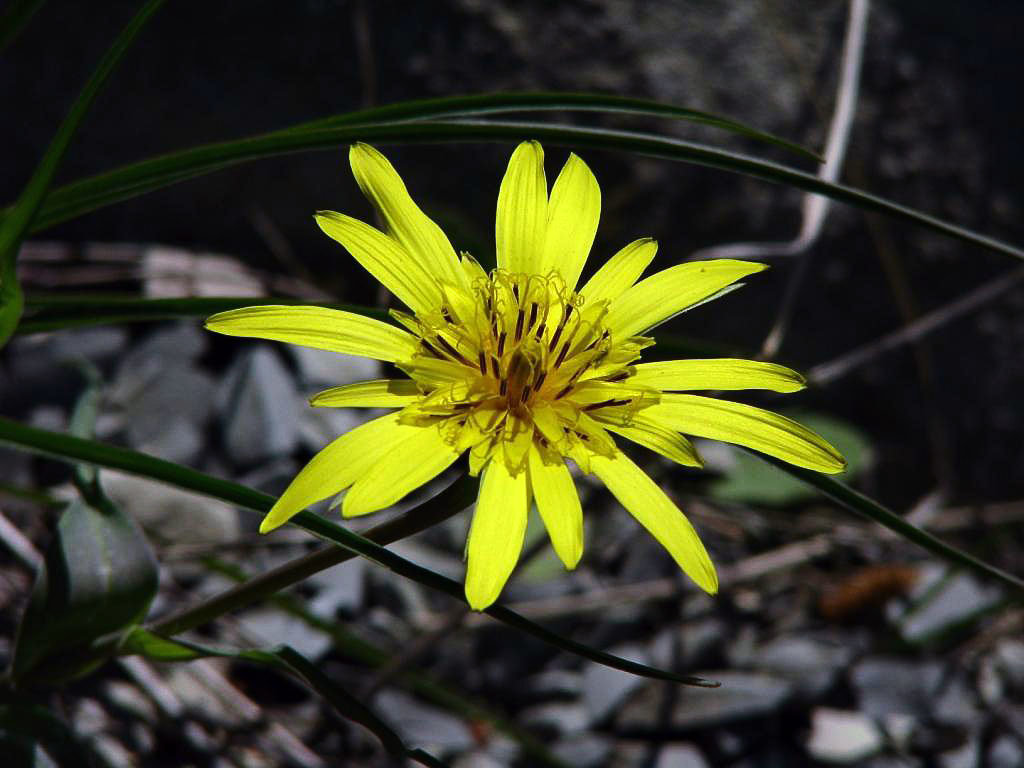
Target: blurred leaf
[478, 104]
[871, 509]
[754, 482]
[152, 646]
[14, 18]
[83, 424]
[20, 216]
[67, 447]
[98, 576]
[26, 725]
[132, 180]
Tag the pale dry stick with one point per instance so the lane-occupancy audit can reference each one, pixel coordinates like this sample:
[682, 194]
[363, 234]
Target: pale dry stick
[814, 208]
[749, 569]
[18, 543]
[827, 373]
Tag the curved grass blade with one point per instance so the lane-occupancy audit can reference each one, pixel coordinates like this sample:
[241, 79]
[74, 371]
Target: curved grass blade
[132, 180]
[67, 447]
[16, 224]
[871, 509]
[286, 659]
[479, 104]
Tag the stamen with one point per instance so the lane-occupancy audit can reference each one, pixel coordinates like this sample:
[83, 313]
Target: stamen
[562, 354]
[453, 351]
[427, 345]
[482, 359]
[533, 314]
[519, 324]
[606, 404]
[494, 367]
[501, 344]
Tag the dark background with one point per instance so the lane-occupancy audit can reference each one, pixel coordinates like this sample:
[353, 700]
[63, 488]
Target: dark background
[938, 128]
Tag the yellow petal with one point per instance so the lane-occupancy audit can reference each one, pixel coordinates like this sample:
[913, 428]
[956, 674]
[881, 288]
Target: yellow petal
[620, 271]
[414, 230]
[559, 507]
[748, 426]
[669, 292]
[318, 327]
[419, 456]
[381, 393]
[650, 434]
[335, 468]
[496, 534]
[723, 373]
[521, 219]
[658, 514]
[573, 213]
[384, 258]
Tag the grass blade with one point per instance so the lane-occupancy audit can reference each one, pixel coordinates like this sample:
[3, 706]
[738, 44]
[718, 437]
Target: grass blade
[15, 17]
[871, 509]
[67, 447]
[19, 218]
[130, 181]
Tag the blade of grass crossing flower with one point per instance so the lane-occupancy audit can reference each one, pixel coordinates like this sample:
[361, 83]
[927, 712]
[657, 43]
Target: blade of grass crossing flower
[336, 467]
[620, 272]
[75, 449]
[573, 213]
[318, 327]
[284, 658]
[384, 258]
[521, 218]
[416, 456]
[747, 426]
[650, 434]
[656, 512]
[496, 534]
[863, 505]
[416, 232]
[671, 291]
[717, 374]
[380, 393]
[558, 503]
[15, 225]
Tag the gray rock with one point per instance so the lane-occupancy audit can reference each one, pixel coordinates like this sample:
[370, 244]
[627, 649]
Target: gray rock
[741, 696]
[261, 408]
[842, 737]
[584, 751]
[604, 688]
[556, 682]
[680, 756]
[888, 686]
[319, 426]
[945, 606]
[131, 700]
[1009, 660]
[320, 368]
[274, 627]
[564, 717]
[423, 726]
[341, 589]
[811, 665]
[966, 756]
[1005, 752]
[956, 704]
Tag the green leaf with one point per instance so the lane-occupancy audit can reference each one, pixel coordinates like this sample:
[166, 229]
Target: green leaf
[479, 104]
[132, 180]
[98, 576]
[871, 509]
[67, 447]
[19, 218]
[152, 646]
[25, 725]
[14, 18]
[754, 482]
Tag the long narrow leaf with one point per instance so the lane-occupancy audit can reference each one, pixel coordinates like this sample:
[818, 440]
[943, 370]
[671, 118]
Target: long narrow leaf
[136, 179]
[479, 104]
[67, 447]
[16, 224]
[871, 509]
[14, 18]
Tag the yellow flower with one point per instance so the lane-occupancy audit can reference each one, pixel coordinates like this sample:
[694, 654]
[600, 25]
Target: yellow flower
[523, 370]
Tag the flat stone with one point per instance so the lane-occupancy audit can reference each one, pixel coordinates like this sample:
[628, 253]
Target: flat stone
[967, 756]
[422, 726]
[812, 666]
[842, 737]
[741, 696]
[559, 716]
[1009, 661]
[680, 756]
[959, 599]
[322, 368]
[584, 751]
[261, 414]
[556, 682]
[1005, 752]
[341, 589]
[891, 685]
[605, 688]
[274, 627]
